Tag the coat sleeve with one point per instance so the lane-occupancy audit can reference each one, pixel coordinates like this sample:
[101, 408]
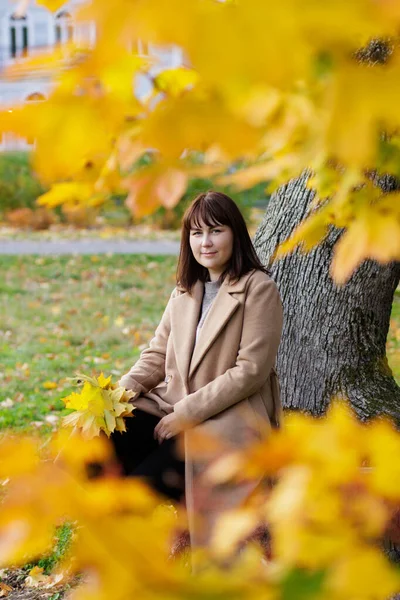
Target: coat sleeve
[261, 333]
[149, 369]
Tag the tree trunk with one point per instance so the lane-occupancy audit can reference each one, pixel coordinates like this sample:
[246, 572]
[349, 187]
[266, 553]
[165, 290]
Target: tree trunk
[334, 337]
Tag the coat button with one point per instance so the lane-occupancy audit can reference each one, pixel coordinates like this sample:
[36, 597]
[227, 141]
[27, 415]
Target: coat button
[168, 378]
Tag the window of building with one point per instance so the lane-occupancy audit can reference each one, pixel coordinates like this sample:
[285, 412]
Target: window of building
[64, 27]
[19, 39]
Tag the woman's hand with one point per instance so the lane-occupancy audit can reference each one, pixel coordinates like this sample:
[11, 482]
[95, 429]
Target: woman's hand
[167, 427]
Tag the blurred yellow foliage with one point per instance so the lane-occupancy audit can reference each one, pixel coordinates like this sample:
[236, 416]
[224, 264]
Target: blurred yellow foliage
[334, 495]
[274, 87]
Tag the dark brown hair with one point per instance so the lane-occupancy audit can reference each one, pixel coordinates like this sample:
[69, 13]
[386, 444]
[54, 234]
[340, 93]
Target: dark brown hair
[215, 208]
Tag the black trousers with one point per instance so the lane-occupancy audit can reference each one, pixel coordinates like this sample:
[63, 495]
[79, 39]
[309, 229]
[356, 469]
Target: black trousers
[140, 455]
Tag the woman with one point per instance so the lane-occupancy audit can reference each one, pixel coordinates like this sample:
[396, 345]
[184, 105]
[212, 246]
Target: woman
[210, 364]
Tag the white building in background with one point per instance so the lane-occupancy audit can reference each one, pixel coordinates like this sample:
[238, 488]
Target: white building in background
[40, 30]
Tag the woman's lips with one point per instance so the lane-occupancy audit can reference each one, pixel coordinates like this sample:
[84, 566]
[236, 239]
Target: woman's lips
[208, 253]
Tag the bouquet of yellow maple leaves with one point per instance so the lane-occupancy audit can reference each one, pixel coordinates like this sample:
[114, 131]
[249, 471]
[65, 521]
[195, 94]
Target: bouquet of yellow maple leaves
[99, 406]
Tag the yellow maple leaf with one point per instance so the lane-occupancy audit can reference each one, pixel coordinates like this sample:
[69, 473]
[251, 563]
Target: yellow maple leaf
[70, 192]
[308, 234]
[97, 406]
[204, 123]
[154, 186]
[104, 381]
[374, 233]
[175, 81]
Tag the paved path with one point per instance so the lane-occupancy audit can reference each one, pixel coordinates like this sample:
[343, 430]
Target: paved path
[89, 246]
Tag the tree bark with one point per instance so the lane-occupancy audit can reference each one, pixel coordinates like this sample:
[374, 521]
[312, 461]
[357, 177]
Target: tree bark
[334, 338]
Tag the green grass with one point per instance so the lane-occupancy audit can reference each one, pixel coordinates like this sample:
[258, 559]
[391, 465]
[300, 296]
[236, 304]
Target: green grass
[62, 315]
[393, 344]
[61, 546]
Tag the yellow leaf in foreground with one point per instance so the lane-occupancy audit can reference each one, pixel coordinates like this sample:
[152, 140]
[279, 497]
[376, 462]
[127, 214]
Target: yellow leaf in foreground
[374, 233]
[307, 235]
[175, 81]
[203, 124]
[364, 573]
[23, 537]
[28, 458]
[52, 5]
[153, 187]
[231, 528]
[226, 467]
[60, 126]
[250, 176]
[75, 451]
[67, 193]
[383, 442]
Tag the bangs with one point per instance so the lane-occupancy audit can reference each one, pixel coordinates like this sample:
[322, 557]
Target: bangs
[208, 212]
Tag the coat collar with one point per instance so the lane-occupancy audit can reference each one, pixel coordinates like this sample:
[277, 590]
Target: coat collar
[230, 286]
[185, 314]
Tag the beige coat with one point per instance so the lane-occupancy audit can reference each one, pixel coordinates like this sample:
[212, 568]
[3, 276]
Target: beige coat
[227, 386]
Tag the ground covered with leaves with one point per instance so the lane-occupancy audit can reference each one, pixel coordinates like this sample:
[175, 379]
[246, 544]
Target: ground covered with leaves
[62, 315]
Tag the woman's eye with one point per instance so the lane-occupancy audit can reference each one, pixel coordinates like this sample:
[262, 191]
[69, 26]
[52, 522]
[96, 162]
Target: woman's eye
[217, 230]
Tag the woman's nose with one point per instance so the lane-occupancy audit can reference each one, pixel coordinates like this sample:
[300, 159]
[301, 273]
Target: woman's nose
[206, 241]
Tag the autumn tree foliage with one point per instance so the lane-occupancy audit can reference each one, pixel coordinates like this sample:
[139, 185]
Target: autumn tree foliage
[267, 90]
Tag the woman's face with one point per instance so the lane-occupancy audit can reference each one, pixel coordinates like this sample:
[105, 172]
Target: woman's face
[212, 247]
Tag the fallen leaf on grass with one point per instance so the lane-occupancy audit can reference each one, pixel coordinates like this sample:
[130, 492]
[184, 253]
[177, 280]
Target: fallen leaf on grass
[52, 419]
[37, 578]
[49, 385]
[7, 403]
[4, 589]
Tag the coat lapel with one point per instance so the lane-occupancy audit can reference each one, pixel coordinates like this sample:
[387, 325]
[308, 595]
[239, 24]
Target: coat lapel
[185, 313]
[222, 309]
